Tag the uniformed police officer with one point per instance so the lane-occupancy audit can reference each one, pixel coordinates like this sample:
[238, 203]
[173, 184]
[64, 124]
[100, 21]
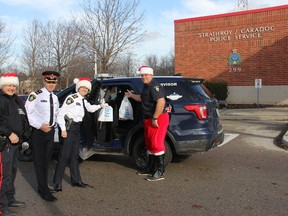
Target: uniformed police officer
[14, 129]
[69, 119]
[156, 122]
[42, 107]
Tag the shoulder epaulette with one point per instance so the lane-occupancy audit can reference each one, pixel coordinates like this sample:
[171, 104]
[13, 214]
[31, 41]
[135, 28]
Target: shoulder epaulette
[38, 91]
[75, 96]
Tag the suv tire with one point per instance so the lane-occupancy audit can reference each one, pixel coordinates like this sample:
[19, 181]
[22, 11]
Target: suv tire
[140, 156]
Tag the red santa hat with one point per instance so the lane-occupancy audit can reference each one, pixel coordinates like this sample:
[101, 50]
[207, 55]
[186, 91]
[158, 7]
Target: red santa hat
[144, 70]
[82, 82]
[9, 78]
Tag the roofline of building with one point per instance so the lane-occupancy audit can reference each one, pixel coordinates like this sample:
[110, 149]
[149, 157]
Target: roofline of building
[231, 14]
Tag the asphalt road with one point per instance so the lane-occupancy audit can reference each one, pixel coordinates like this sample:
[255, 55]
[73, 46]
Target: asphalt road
[245, 176]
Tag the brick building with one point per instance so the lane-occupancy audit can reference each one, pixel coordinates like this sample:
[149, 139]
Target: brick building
[248, 49]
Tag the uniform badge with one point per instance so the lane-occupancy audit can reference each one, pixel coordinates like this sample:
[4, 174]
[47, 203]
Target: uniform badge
[69, 101]
[156, 88]
[31, 97]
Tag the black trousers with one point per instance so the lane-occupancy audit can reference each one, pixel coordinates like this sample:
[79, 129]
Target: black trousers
[42, 151]
[69, 154]
[8, 170]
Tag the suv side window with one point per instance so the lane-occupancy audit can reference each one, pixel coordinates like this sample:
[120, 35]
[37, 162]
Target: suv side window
[185, 91]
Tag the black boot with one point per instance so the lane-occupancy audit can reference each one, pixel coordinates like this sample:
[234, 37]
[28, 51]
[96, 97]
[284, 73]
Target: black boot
[159, 169]
[149, 169]
[58, 187]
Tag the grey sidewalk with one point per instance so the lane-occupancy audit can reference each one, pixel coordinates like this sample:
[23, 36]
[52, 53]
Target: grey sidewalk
[258, 114]
[263, 114]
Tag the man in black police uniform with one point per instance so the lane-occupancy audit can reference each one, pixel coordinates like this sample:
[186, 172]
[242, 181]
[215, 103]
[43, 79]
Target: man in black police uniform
[156, 121]
[42, 107]
[14, 129]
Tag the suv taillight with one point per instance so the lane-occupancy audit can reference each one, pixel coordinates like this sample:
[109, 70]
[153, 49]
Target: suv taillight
[199, 109]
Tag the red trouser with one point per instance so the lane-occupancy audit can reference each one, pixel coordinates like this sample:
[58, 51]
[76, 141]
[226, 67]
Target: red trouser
[154, 137]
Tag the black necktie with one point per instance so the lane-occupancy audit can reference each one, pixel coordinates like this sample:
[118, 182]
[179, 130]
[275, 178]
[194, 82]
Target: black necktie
[51, 110]
[84, 105]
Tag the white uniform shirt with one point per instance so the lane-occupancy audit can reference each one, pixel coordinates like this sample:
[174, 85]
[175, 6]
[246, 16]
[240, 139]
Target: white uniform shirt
[38, 107]
[73, 108]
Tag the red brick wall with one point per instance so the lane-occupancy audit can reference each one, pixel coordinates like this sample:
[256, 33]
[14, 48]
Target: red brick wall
[264, 56]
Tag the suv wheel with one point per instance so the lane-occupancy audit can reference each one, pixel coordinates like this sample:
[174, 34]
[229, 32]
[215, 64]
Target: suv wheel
[140, 156]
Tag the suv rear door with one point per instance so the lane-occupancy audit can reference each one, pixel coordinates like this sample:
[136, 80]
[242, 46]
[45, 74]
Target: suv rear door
[194, 114]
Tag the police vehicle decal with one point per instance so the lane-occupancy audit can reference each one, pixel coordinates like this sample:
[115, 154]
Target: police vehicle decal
[169, 84]
[174, 96]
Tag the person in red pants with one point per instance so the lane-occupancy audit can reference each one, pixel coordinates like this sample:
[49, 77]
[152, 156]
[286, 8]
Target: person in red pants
[156, 122]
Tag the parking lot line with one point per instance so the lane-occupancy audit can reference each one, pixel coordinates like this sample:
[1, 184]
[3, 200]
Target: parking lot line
[228, 138]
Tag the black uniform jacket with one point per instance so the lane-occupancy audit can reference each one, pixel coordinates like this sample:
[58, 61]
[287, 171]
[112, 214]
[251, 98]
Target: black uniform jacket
[13, 117]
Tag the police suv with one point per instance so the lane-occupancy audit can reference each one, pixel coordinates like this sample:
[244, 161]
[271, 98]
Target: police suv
[194, 119]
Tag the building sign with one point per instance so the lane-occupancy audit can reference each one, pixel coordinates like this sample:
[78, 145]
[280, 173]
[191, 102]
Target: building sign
[258, 83]
[237, 34]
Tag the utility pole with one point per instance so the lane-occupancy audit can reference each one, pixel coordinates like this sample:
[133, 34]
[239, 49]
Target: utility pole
[242, 5]
[95, 66]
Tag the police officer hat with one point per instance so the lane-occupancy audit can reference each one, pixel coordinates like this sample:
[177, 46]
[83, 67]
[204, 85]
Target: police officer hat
[50, 76]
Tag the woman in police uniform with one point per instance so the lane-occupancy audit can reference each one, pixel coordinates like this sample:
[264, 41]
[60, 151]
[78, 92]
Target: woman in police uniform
[71, 115]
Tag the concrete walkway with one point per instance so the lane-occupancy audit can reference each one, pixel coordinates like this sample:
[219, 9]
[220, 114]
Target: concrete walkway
[258, 114]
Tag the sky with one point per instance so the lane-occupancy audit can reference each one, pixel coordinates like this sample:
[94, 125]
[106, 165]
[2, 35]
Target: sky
[159, 16]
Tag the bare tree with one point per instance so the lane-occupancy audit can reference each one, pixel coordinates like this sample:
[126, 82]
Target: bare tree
[32, 48]
[63, 43]
[5, 43]
[164, 66]
[152, 61]
[124, 65]
[111, 27]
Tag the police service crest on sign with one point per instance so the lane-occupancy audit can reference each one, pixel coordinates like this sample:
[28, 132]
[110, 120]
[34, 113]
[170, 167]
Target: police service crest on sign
[234, 58]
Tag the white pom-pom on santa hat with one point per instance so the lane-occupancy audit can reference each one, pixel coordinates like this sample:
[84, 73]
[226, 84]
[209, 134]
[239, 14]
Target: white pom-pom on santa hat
[144, 70]
[82, 82]
[9, 78]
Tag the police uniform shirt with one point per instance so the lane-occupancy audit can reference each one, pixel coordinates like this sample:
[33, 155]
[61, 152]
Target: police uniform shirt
[38, 107]
[150, 94]
[73, 107]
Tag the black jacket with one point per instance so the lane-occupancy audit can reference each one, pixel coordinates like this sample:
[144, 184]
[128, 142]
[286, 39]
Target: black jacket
[13, 117]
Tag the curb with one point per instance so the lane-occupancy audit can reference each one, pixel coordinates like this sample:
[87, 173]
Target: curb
[285, 139]
[257, 114]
